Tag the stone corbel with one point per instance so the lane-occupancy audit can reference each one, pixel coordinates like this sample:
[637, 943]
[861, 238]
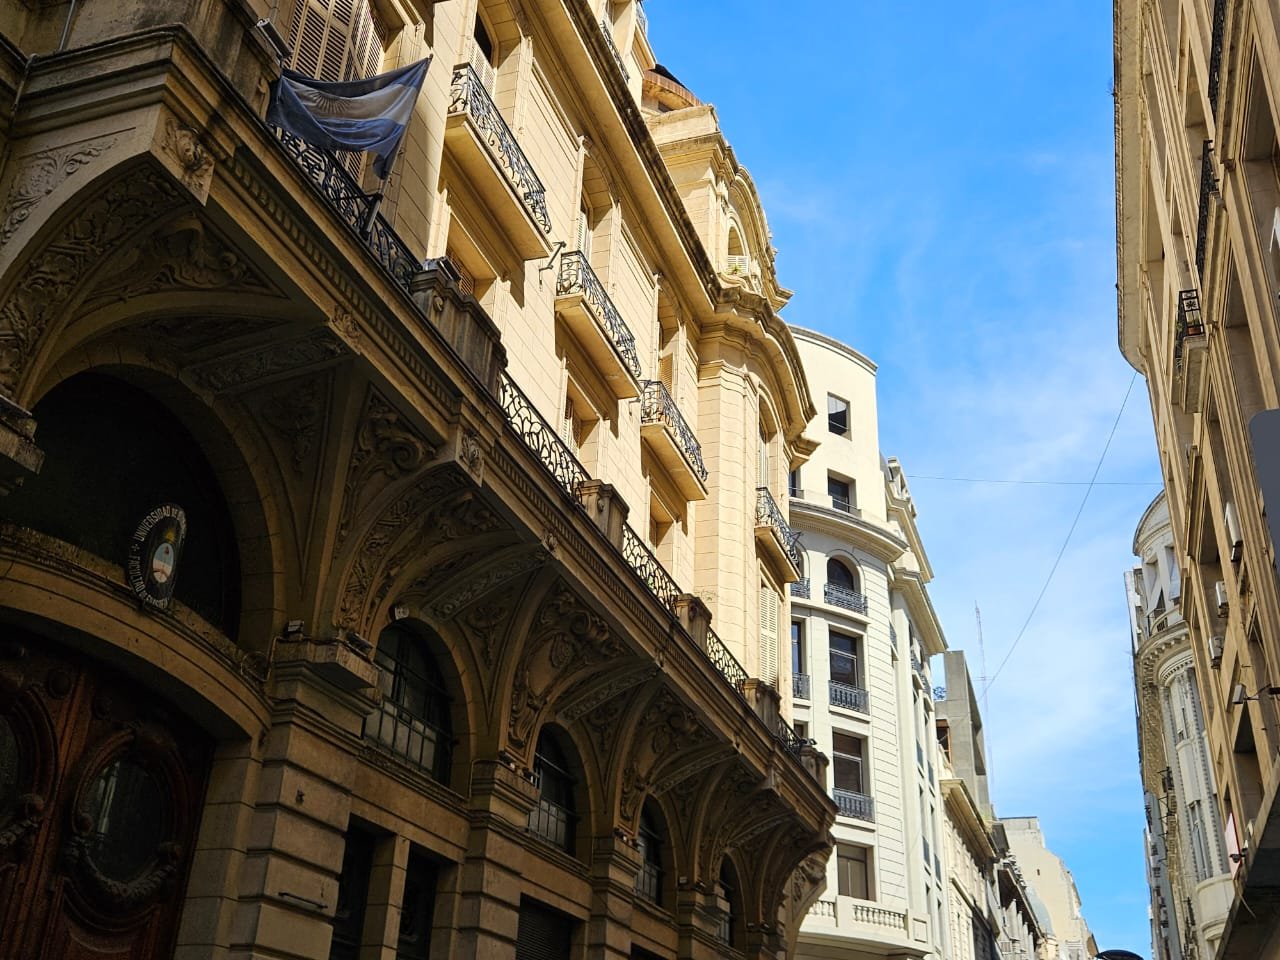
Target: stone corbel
[19, 456]
[182, 150]
[694, 616]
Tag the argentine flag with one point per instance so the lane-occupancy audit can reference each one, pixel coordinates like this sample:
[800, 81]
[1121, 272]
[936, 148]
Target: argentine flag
[368, 115]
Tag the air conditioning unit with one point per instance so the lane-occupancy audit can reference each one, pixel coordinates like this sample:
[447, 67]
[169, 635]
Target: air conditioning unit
[1215, 650]
[1233, 531]
[1220, 594]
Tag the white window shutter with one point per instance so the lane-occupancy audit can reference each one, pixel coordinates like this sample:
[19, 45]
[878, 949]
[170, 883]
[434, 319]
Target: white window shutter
[768, 636]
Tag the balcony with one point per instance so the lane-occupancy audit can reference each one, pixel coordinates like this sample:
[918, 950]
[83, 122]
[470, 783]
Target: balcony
[1189, 350]
[856, 806]
[800, 686]
[848, 697]
[607, 29]
[801, 588]
[1208, 190]
[553, 823]
[839, 596]
[674, 444]
[774, 534]
[844, 505]
[487, 152]
[594, 321]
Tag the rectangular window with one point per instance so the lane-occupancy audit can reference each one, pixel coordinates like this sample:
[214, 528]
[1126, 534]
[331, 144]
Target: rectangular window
[853, 871]
[543, 933]
[793, 484]
[845, 651]
[847, 752]
[841, 493]
[837, 416]
[798, 660]
[353, 891]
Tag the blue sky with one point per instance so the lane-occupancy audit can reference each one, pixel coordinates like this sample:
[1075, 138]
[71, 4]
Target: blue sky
[939, 181]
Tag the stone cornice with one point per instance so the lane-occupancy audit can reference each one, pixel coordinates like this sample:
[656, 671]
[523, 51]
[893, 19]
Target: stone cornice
[882, 544]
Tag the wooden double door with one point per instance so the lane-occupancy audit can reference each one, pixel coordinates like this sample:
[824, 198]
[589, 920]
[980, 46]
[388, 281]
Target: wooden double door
[101, 784]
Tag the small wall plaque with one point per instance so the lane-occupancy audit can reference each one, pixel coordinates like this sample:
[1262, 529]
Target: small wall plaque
[154, 553]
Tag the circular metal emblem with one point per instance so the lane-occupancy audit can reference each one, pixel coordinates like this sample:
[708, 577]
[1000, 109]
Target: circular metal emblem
[154, 552]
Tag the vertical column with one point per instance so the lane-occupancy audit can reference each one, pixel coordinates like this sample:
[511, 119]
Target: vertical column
[381, 933]
[614, 866]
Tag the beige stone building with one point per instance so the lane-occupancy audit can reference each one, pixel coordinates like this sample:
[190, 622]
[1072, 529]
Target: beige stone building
[394, 580]
[1198, 209]
[1066, 931]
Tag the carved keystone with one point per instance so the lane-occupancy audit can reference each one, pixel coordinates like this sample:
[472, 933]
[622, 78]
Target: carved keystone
[19, 456]
[694, 616]
[606, 508]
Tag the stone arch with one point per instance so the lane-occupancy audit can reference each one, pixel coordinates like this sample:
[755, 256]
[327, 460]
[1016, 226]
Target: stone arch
[586, 794]
[235, 480]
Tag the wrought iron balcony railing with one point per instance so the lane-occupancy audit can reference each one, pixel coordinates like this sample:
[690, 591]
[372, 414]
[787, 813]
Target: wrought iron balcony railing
[1215, 53]
[788, 738]
[353, 206]
[652, 572]
[800, 588]
[658, 406]
[768, 515]
[800, 683]
[845, 505]
[724, 661]
[839, 596]
[470, 97]
[848, 696]
[856, 805]
[553, 823]
[540, 438]
[576, 276]
[1189, 323]
[1208, 188]
[607, 29]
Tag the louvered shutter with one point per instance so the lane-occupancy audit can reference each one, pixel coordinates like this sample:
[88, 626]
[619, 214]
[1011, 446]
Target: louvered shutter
[335, 40]
[569, 425]
[768, 636]
[542, 934]
[584, 233]
[762, 464]
[484, 69]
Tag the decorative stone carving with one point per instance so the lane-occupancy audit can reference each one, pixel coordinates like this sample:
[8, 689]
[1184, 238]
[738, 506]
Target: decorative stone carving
[192, 161]
[386, 448]
[345, 324]
[566, 638]
[183, 255]
[186, 334]
[52, 277]
[480, 623]
[607, 691]
[489, 577]
[295, 414]
[250, 366]
[634, 787]
[602, 725]
[41, 175]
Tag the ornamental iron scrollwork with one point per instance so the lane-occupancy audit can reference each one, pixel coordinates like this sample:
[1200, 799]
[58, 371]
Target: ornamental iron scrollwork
[607, 30]
[1190, 323]
[658, 406]
[470, 98]
[577, 277]
[538, 436]
[353, 207]
[651, 571]
[768, 515]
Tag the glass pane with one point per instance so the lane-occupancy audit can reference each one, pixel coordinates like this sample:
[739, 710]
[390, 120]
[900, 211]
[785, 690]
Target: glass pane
[9, 764]
[127, 808]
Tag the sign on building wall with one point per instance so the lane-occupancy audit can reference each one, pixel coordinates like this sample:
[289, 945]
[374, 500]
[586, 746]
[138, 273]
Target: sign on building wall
[154, 551]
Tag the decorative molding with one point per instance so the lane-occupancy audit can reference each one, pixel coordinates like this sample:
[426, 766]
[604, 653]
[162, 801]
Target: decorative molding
[193, 161]
[386, 448]
[489, 578]
[42, 174]
[295, 414]
[607, 691]
[52, 277]
[250, 366]
[183, 255]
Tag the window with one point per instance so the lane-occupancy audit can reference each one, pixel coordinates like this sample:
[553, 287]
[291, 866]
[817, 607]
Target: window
[801, 729]
[353, 891]
[793, 484]
[847, 751]
[837, 416]
[554, 819]
[841, 493]
[543, 933]
[414, 719]
[727, 901]
[799, 662]
[417, 909]
[649, 879]
[845, 652]
[482, 56]
[853, 871]
[841, 577]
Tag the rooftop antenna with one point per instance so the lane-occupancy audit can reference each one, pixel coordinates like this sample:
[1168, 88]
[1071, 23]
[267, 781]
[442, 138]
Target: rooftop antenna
[982, 657]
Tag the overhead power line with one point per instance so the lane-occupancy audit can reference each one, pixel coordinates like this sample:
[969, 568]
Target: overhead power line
[1063, 549]
[1044, 483]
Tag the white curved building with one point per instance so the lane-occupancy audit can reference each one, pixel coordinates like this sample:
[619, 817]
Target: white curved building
[1187, 866]
[862, 632]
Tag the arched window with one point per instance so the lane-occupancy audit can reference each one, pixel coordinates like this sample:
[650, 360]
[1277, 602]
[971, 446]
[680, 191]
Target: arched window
[727, 900]
[649, 879]
[555, 818]
[839, 575]
[414, 717]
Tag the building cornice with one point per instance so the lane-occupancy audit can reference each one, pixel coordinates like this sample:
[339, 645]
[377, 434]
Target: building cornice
[882, 544]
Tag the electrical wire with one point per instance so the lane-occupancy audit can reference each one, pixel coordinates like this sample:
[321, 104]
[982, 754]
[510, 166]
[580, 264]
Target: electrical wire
[1063, 549]
[1044, 483]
